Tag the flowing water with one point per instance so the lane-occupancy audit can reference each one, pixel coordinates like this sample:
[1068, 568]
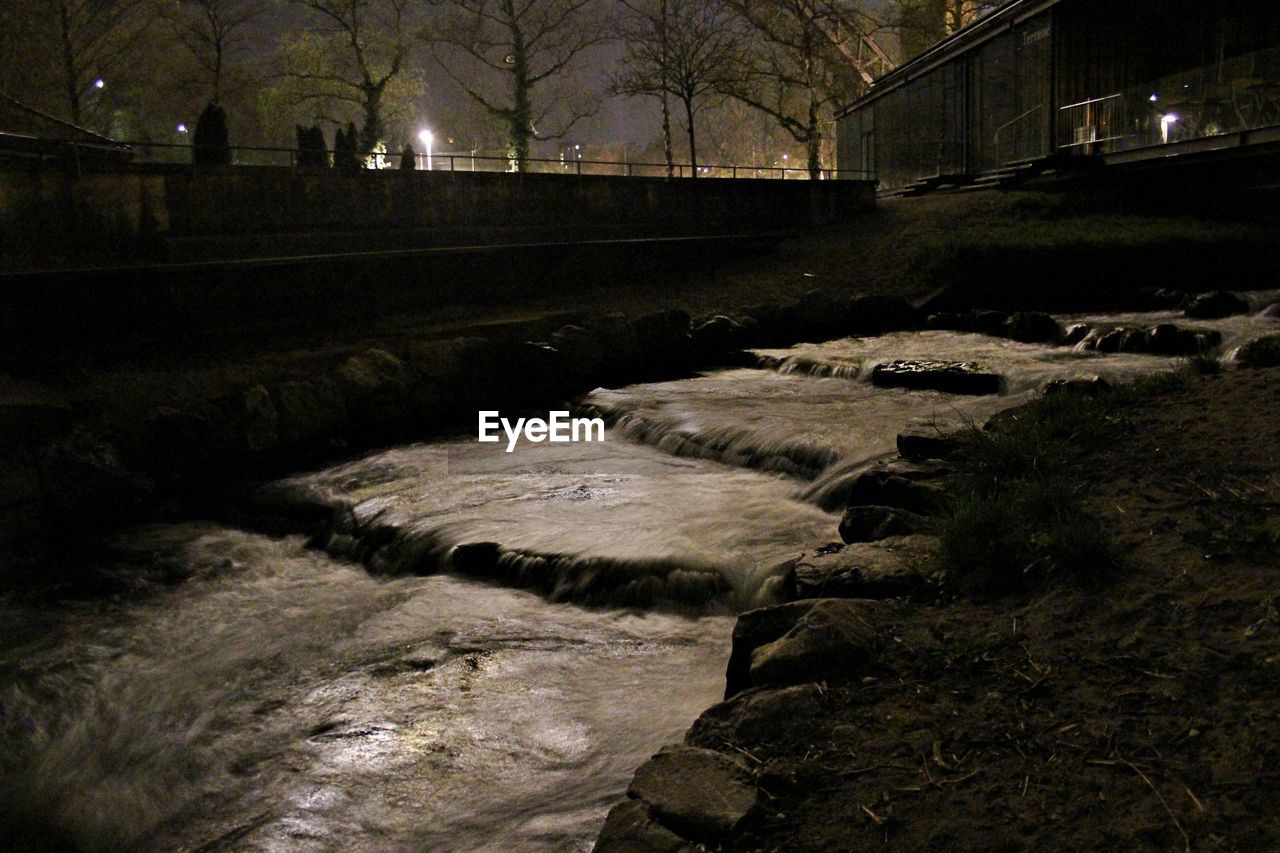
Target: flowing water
[282, 697]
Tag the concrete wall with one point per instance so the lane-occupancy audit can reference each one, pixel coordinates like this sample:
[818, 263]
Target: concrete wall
[52, 215]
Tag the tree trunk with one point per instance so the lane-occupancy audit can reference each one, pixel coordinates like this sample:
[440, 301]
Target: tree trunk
[667, 146]
[71, 78]
[519, 131]
[371, 127]
[693, 140]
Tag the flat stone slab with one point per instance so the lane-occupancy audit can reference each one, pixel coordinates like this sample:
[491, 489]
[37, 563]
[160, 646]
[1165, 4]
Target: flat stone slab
[701, 794]
[952, 377]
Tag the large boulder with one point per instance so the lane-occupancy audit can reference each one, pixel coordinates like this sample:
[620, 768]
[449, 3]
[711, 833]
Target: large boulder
[756, 716]
[874, 315]
[873, 523]
[885, 487]
[619, 345]
[918, 442]
[1032, 327]
[257, 422]
[1075, 333]
[986, 322]
[665, 344]
[701, 794]
[1263, 352]
[753, 629]
[630, 828]
[720, 340]
[952, 377]
[833, 641]
[375, 388]
[310, 412]
[1216, 305]
[1087, 386]
[889, 568]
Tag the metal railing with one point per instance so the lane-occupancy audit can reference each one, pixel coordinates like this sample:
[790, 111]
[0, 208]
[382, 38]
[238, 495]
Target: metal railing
[1087, 125]
[1027, 138]
[243, 156]
[1230, 96]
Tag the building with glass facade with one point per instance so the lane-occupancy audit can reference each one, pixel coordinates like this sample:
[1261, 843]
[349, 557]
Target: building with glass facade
[1042, 79]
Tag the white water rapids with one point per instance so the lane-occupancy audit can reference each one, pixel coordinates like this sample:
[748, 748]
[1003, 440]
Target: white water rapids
[280, 698]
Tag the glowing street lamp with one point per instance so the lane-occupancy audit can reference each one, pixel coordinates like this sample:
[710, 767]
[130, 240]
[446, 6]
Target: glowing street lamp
[428, 139]
[1167, 121]
[99, 83]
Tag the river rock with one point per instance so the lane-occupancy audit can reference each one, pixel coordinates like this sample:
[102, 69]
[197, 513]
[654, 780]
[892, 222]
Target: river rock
[1216, 305]
[375, 387]
[832, 640]
[884, 487]
[875, 315]
[756, 716]
[945, 321]
[664, 340]
[258, 423]
[953, 377]
[873, 523]
[1076, 333]
[31, 412]
[630, 828]
[1121, 340]
[885, 569]
[986, 322]
[701, 794]
[584, 352]
[309, 412]
[1271, 312]
[1032, 327]
[86, 479]
[1263, 352]
[1161, 299]
[620, 345]
[1089, 386]
[753, 629]
[918, 442]
[1168, 339]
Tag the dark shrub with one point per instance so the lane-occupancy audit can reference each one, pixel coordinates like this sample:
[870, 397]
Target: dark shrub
[312, 151]
[212, 140]
[408, 158]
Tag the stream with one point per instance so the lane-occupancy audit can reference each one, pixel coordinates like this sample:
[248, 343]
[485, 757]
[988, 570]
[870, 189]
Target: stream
[283, 698]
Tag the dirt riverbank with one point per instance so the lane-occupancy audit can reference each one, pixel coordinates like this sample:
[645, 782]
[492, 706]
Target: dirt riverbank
[1138, 713]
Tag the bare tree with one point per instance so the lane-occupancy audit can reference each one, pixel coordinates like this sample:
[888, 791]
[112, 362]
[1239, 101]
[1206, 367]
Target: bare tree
[213, 30]
[363, 52]
[678, 48]
[514, 53]
[72, 47]
[797, 68]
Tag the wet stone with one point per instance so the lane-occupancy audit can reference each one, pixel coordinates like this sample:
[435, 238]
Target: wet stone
[952, 377]
[833, 640]
[630, 829]
[885, 569]
[701, 794]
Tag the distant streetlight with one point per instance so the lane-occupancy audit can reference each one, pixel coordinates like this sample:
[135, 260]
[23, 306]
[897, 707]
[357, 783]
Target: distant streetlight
[181, 128]
[1167, 121]
[428, 139]
[99, 83]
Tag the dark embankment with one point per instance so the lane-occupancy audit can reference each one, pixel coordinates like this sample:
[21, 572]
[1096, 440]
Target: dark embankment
[1101, 677]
